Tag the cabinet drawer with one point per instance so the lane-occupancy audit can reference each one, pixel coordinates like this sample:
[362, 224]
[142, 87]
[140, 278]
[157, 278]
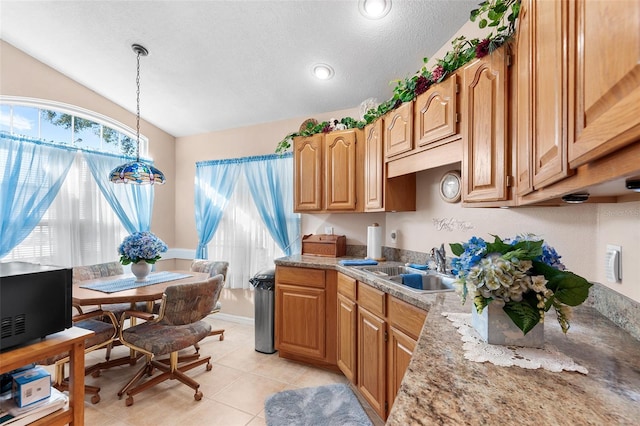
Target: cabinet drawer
[406, 317]
[347, 286]
[300, 276]
[371, 299]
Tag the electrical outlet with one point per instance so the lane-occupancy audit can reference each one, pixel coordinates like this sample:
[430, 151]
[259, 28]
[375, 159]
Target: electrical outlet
[394, 236]
[613, 263]
[328, 230]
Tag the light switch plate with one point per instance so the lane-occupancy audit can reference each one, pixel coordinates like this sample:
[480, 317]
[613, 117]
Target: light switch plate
[613, 263]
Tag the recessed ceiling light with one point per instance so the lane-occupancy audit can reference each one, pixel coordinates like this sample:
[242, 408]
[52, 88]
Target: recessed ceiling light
[323, 71]
[374, 9]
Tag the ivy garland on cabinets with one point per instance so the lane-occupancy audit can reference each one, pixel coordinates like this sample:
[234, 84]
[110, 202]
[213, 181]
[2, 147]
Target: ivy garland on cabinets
[501, 14]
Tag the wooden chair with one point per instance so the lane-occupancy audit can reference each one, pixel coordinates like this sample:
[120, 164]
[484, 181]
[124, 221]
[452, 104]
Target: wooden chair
[101, 270]
[213, 267]
[104, 325]
[178, 325]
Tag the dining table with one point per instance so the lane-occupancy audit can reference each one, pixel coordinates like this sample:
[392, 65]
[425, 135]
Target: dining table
[149, 291]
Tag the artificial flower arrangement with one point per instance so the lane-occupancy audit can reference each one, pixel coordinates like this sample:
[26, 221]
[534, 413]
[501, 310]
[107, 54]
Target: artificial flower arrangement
[499, 14]
[524, 275]
[141, 246]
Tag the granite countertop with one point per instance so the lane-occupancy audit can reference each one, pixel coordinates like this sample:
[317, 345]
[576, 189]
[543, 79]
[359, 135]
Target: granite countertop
[442, 387]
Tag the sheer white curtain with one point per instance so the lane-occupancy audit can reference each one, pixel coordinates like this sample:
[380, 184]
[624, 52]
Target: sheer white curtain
[242, 239]
[80, 228]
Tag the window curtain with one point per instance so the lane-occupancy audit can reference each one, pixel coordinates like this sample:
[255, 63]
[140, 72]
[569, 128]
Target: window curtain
[258, 224]
[242, 239]
[80, 227]
[270, 180]
[133, 204]
[214, 184]
[32, 174]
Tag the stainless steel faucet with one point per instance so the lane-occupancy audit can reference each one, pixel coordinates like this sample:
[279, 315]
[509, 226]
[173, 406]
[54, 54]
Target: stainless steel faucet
[439, 256]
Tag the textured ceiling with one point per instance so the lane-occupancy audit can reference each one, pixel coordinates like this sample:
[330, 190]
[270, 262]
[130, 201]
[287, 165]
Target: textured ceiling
[217, 65]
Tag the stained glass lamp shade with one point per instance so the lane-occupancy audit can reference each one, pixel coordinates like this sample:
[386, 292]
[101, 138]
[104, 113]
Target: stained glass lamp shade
[137, 172]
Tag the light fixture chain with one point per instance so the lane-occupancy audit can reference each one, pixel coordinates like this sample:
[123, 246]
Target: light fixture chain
[138, 108]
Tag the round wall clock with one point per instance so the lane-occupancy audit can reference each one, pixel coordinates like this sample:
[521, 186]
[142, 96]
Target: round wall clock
[450, 187]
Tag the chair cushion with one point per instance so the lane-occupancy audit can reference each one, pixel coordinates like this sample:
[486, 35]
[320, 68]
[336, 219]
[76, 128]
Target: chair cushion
[160, 339]
[103, 332]
[90, 272]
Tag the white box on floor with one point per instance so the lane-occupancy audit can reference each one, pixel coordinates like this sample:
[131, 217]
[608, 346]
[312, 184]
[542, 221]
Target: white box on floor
[31, 386]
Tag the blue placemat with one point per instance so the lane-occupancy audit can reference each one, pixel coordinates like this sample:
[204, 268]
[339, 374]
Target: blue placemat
[129, 283]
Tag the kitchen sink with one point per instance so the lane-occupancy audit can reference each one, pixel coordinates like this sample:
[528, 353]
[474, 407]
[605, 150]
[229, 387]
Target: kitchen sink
[431, 281]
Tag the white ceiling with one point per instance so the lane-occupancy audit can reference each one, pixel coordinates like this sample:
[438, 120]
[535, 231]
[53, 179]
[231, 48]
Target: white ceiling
[216, 65]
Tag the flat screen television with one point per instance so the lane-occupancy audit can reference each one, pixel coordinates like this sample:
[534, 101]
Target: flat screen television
[35, 301]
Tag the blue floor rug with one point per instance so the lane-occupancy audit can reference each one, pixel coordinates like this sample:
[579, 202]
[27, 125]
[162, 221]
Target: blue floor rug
[330, 405]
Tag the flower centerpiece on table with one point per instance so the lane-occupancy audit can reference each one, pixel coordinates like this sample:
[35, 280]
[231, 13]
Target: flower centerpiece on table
[141, 247]
[524, 275]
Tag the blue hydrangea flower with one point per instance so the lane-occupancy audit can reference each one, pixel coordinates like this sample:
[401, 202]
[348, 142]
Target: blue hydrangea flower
[141, 246]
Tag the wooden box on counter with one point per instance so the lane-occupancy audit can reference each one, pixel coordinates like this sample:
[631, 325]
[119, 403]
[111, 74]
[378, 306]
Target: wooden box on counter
[324, 245]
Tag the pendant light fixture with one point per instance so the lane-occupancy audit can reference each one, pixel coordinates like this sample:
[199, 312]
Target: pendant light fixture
[137, 172]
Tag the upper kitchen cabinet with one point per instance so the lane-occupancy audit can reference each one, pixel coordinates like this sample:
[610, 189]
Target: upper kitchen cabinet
[484, 129]
[328, 172]
[380, 193]
[549, 28]
[308, 173]
[540, 90]
[606, 49]
[398, 130]
[435, 113]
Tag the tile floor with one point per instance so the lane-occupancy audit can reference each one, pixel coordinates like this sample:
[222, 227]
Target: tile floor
[234, 390]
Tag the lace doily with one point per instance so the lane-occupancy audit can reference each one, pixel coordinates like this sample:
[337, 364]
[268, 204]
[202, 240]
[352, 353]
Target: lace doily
[475, 349]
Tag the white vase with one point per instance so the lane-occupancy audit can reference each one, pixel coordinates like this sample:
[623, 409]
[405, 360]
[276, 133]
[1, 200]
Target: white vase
[141, 269]
[495, 327]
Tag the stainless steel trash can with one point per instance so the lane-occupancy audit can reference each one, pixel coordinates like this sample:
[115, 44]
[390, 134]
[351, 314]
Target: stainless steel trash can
[264, 298]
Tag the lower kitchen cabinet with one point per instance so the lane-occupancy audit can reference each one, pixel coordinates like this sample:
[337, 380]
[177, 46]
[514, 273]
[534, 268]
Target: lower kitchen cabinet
[347, 326]
[385, 338]
[326, 318]
[305, 320]
[372, 336]
[401, 349]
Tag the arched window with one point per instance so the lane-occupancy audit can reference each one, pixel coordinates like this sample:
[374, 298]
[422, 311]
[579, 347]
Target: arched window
[67, 125]
[80, 227]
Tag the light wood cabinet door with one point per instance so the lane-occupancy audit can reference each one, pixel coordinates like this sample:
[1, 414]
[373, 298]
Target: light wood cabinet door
[347, 335]
[484, 129]
[606, 51]
[308, 173]
[301, 314]
[398, 130]
[374, 175]
[401, 349]
[340, 170]
[436, 112]
[549, 32]
[372, 360]
[521, 95]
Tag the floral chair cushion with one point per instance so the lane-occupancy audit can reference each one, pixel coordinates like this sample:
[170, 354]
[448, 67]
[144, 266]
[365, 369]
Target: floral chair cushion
[180, 323]
[90, 272]
[212, 267]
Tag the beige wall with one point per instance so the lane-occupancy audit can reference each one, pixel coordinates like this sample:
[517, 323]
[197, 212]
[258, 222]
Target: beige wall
[22, 75]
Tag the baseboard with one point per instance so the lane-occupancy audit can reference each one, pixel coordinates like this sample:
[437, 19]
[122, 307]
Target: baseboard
[235, 318]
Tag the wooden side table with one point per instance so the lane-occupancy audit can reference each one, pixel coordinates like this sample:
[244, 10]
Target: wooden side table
[70, 340]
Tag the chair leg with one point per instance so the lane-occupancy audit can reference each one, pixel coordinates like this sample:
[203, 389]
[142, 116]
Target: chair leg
[169, 372]
[218, 333]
